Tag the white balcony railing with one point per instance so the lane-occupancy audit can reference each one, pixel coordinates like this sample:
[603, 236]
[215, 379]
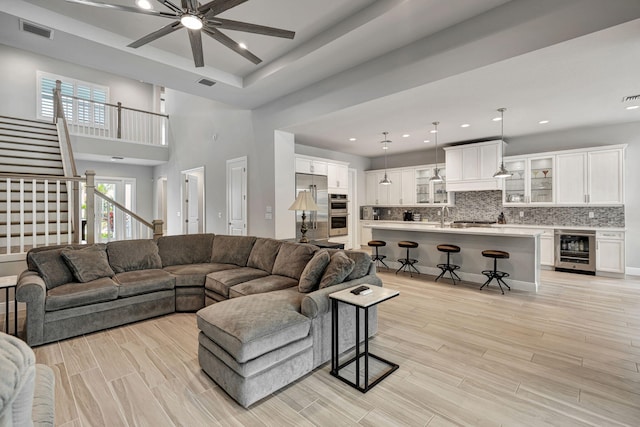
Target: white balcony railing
[114, 121]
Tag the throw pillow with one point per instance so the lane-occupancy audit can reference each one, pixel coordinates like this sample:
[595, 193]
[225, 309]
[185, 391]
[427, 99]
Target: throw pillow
[52, 267]
[132, 255]
[337, 270]
[312, 272]
[89, 263]
[292, 259]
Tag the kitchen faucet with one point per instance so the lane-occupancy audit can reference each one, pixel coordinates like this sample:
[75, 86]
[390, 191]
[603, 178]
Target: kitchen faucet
[444, 209]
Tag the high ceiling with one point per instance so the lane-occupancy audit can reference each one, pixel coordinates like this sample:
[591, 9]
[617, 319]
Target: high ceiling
[581, 59]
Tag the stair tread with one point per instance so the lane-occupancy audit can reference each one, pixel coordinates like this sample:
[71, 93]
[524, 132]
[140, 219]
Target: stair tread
[17, 128]
[21, 120]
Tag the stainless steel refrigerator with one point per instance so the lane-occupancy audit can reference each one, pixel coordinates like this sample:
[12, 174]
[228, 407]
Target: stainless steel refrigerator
[317, 222]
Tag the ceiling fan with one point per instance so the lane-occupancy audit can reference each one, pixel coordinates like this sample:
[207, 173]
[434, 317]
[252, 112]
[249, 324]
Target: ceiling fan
[197, 19]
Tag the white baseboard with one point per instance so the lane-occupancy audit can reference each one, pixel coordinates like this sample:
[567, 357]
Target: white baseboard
[632, 271]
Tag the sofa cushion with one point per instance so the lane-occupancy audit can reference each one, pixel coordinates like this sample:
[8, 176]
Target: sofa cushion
[52, 267]
[292, 258]
[256, 324]
[362, 264]
[144, 281]
[263, 284]
[232, 249]
[88, 263]
[337, 270]
[221, 281]
[131, 255]
[264, 253]
[81, 294]
[313, 271]
[195, 274]
[185, 249]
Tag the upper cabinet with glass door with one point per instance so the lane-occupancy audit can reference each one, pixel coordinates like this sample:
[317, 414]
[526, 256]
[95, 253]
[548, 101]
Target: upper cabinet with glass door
[429, 192]
[531, 181]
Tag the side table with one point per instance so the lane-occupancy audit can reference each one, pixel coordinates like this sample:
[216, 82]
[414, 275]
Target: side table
[7, 283]
[361, 303]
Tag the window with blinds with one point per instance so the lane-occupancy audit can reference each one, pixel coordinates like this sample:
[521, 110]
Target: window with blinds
[83, 103]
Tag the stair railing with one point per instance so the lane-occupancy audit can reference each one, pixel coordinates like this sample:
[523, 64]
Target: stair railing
[145, 229]
[42, 218]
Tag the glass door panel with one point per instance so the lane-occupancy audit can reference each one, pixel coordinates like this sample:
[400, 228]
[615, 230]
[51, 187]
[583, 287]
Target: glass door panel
[422, 185]
[440, 194]
[514, 185]
[541, 180]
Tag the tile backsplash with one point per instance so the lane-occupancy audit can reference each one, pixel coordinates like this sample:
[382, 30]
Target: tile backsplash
[487, 205]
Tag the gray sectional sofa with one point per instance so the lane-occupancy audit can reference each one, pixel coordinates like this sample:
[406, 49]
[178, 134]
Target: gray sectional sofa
[263, 306]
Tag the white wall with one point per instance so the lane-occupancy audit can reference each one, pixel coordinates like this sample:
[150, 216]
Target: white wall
[194, 122]
[18, 84]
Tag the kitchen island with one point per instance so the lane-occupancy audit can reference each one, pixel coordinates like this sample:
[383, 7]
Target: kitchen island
[523, 246]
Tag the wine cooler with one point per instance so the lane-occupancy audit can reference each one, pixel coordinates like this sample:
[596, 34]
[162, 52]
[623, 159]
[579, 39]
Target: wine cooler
[575, 251]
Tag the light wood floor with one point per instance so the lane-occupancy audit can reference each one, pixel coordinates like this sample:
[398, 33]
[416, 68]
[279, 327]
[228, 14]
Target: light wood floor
[566, 356]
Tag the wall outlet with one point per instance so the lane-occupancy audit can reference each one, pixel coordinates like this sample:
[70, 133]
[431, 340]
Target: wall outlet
[521, 214]
[439, 213]
[178, 213]
[591, 215]
[219, 214]
[268, 215]
[388, 211]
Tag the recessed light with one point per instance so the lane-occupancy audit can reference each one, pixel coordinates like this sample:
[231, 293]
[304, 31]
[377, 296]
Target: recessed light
[352, 139]
[406, 135]
[497, 119]
[242, 45]
[543, 122]
[426, 141]
[466, 125]
[143, 4]
[633, 107]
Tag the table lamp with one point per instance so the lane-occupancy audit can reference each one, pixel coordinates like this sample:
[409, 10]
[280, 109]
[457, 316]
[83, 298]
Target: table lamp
[304, 202]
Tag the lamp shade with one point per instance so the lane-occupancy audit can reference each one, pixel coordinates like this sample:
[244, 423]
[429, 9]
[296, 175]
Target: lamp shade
[304, 202]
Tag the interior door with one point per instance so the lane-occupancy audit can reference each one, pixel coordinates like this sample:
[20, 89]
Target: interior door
[237, 196]
[193, 208]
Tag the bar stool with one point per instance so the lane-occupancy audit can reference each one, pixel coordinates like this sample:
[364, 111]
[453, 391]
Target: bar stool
[495, 274]
[407, 263]
[377, 257]
[451, 268]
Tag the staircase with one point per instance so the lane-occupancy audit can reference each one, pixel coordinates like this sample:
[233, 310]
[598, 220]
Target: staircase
[32, 180]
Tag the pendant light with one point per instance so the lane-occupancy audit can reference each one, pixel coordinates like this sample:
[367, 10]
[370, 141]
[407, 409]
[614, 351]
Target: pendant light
[502, 171]
[385, 180]
[436, 172]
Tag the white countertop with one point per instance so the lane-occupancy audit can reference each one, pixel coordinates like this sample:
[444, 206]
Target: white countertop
[522, 226]
[427, 227]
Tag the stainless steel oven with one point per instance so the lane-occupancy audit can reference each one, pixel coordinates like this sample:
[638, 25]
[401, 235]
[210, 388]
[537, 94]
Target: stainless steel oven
[575, 251]
[338, 215]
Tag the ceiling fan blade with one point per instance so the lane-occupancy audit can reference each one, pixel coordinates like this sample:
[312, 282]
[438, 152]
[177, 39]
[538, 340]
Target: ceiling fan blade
[170, 5]
[125, 8]
[231, 44]
[227, 24]
[216, 7]
[195, 37]
[167, 29]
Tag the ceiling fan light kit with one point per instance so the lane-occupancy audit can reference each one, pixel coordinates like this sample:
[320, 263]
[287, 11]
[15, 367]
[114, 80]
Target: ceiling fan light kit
[197, 19]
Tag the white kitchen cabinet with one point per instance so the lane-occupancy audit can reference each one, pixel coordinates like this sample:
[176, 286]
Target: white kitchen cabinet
[592, 177]
[372, 185]
[547, 248]
[605, 177]
[366, 233]
[531, 182]
[311, 166]
[571, 178]
[471, 167]
[338, 178]
[610, 256]
[407, 192]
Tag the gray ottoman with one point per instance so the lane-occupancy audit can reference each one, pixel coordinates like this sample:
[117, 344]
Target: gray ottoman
[255, 345]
